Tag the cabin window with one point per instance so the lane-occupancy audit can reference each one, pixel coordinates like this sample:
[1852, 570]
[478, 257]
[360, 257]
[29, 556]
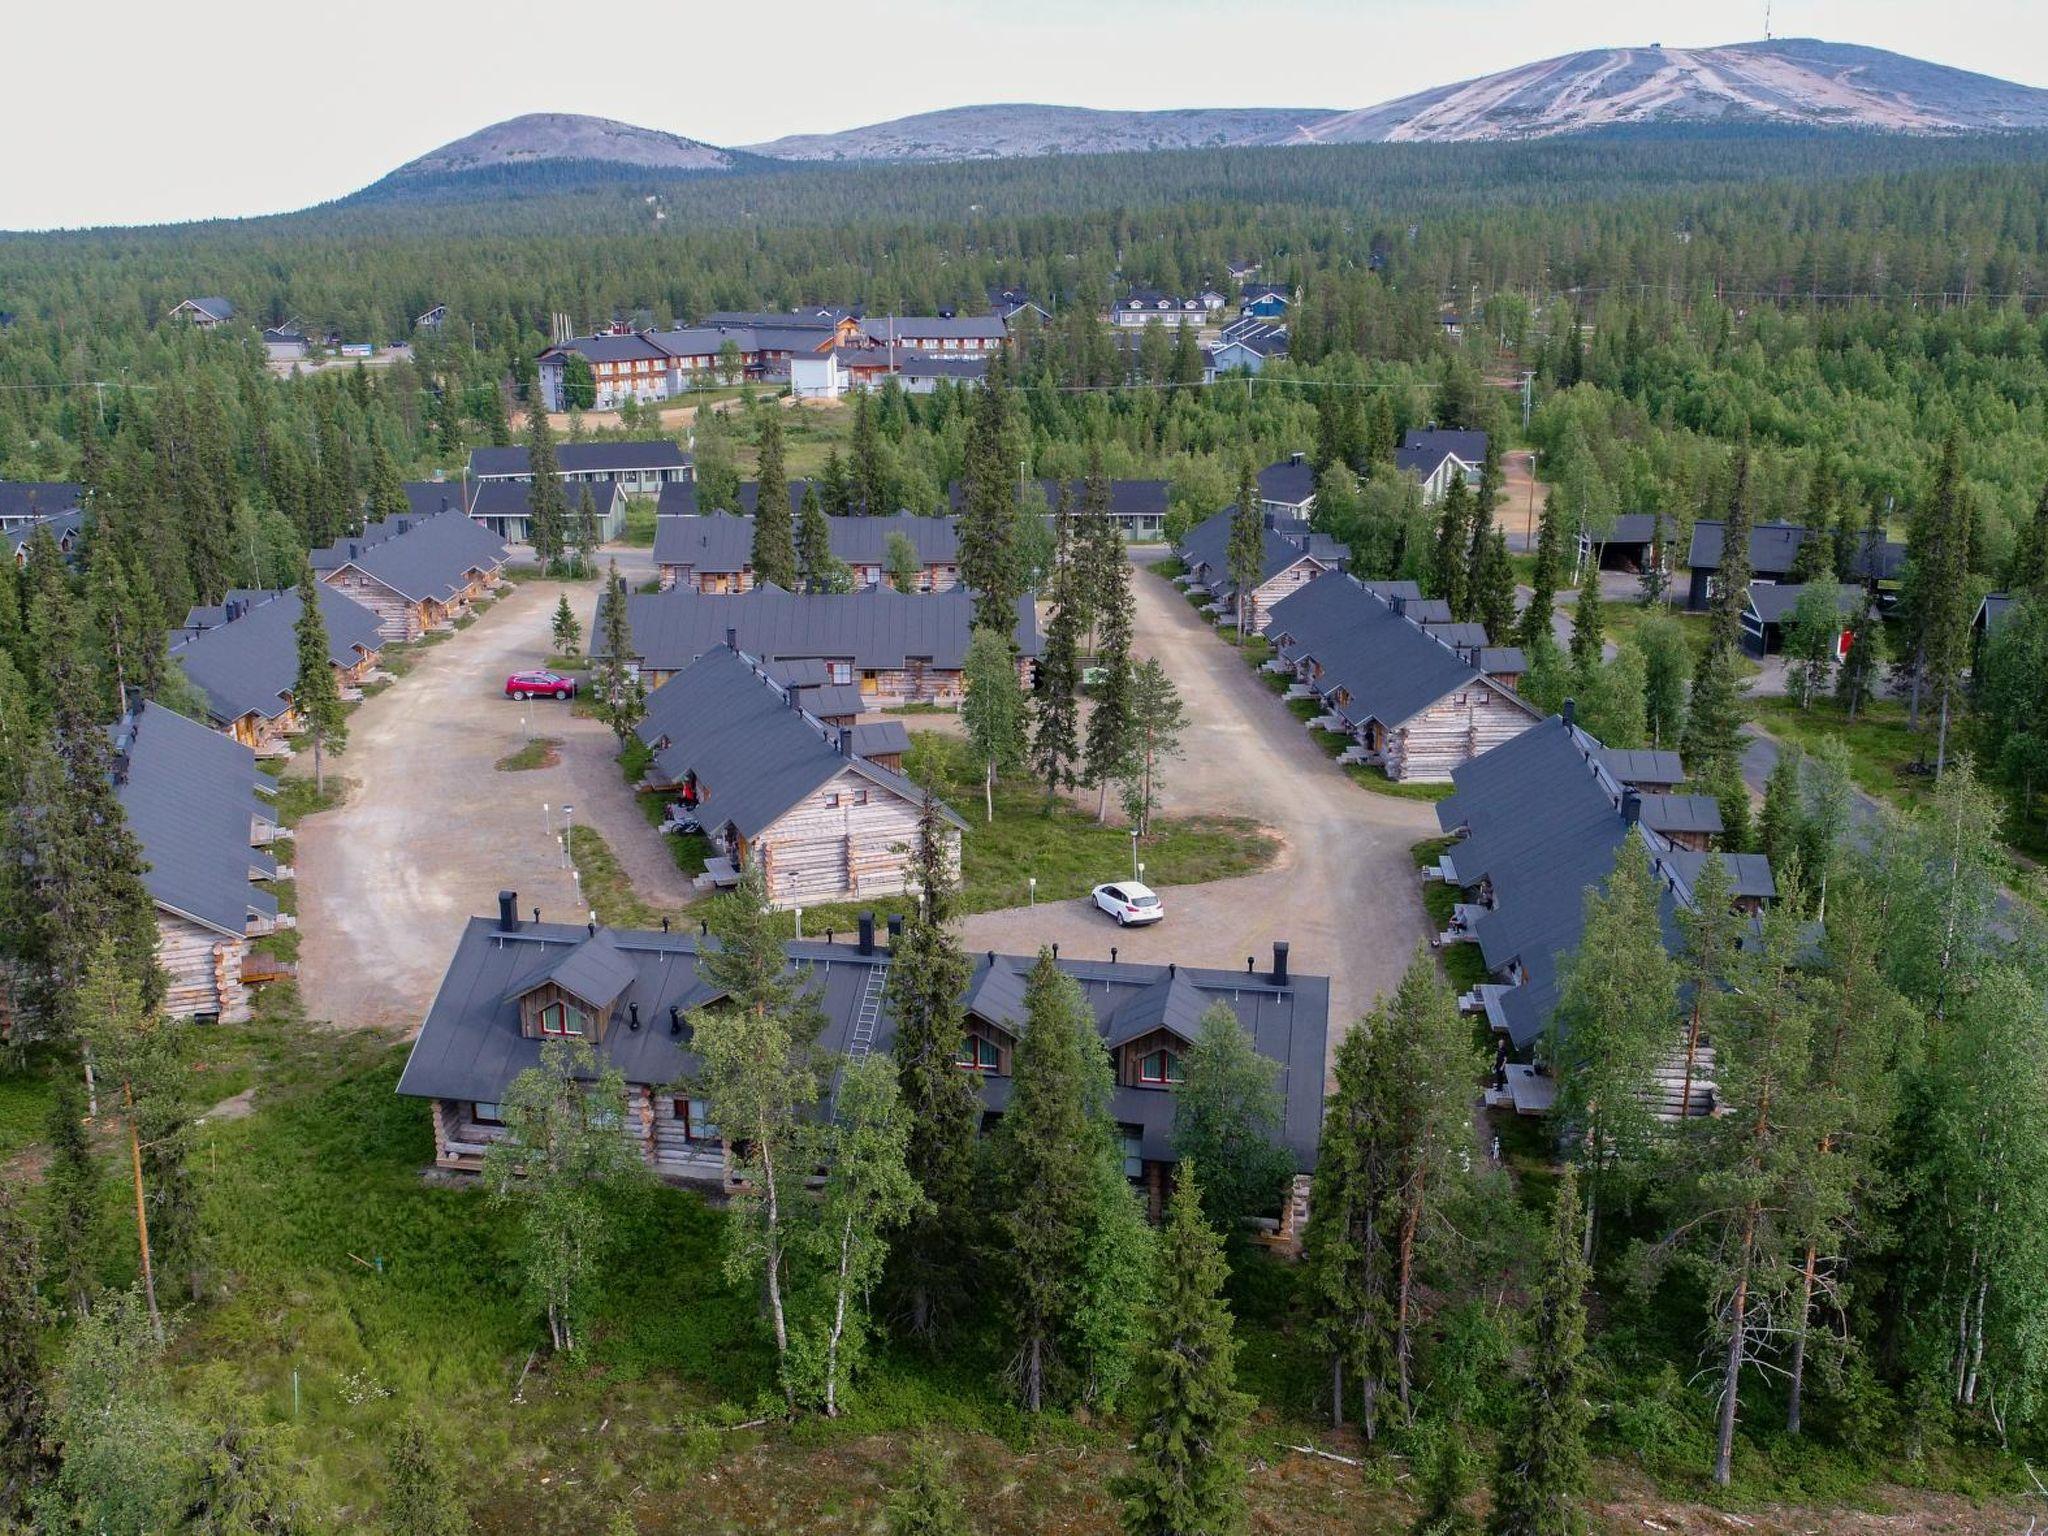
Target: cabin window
[839, 671]
[978, 1053]
[832, 802]
[1134, 1152]
[696, 1117]
[1161, 1066]
[560, 1019]
[860, 797]
[487, 1114]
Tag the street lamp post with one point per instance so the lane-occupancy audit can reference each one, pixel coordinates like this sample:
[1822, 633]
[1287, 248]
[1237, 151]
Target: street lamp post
[568, 832]
[1135, 865]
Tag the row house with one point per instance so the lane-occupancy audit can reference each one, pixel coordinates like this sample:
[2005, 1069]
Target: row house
[636, 468]
[25, 502]
[895, 647]
[1538, 823]
[636, 996]
[1775, 555]
[505, 508]
[1137, 507]
[714, 552]
[1141, 306]
[1412, 695]
[781, 789]
[195, 801]
[1291, 556]
[242, 655]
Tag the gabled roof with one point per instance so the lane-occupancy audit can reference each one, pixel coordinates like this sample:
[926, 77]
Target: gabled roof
[1171, 1003]
[514, 498]
[190, 797]
[1638, 528]
[1127, 498]
[424, 558]
[213, 307]
[580, 458]
[470, 1047]
[593, 971]
[1994, 610]
[1288, 483]
[1424, 448]
[715, 541]
[875, 628]
[753, 755]
[283, 336]
[1207, 544]
[243, 655]
[865, 540]
[941, 327]
[63, 526]
[1772, 602]
[1773, 547]
[1699, 815]
[39, 498]
[1387, 667]
[1503, 661]
[428, 497]
[679, 499]
[1749, 874]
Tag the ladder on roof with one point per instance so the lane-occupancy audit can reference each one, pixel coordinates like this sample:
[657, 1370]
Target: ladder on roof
[864, 1022]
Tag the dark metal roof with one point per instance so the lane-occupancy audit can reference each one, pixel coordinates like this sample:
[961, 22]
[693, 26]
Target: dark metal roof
[190, 796]
[1749, 874]
[470, 1047]
[62, 526]
[1424, 448]
[429, 497]
[593, 971]
[1207, 544]
[214, 307]
[1389, 668]
[874, 629]
[1773, 547]
[865, 540]
[1994, 610]
[1772, 602]
[1697, 814]
[422, 557]
[1291, 482]
[1503, 661]
[753, 755]
[243, 655]
[514, 498]
[1641, 765]
[1127, 498]
[39, 498]
[679, 499]
[579, 458]
[712, 541]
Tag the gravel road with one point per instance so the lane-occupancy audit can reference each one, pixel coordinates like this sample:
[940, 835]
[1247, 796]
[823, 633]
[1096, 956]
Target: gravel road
[1344, 892]
[432, 831]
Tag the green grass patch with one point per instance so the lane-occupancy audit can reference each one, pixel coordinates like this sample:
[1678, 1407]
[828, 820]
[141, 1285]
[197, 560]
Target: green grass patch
[25, 1098]
[1882, 750]
[539, 752]
[920, 707]
[1376, 780]
[640, 520]
[296, 798]
[605, 886]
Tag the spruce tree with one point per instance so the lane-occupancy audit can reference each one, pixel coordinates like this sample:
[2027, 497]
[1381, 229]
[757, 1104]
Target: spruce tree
[1778, 828]
[1588, 627]
[1107, 754]
[1544, 576]
[1938, 592]
[1731, 576]
[814, 544]
[1245, 557]
[774, 539]
[1485, 500]
[928, 975]
[547, 502]
[865, 490]
[1449, 1482]
[568, 630]
[1056, 729]
[25, 1458]
[621, 697]
[1453, 537]
[316, 693]
[71, 1195]
[1493, 597]
[928, 1502]
[989, 566]
[588, 535]
[421, 1497]
[387, 490]
[1543, 1476]
[1862, 667]
[1189, 1472]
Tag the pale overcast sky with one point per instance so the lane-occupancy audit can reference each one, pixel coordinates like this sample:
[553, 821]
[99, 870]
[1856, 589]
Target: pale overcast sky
[146, 112]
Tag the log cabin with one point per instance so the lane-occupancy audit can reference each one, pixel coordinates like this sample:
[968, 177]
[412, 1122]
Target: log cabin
[513, 984]
[422, 574]
[196, 804]
[776, 787]
[1538, 822]
[1291, 556]
[243, 656]
[1414, 703]
[898, 648]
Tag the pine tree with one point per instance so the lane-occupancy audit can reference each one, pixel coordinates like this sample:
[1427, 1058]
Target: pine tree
[928, 975]
[992, 709]
[760, 1072]
[774, 539]
[1106, 757]
[1615, 1021]
[1189, 1473]
[621, 697]
[1588, 628]
[568, 630]
[25, 1458]
[1544, 576]
[928, 1501]
[316, 693]
[547, 502]
[1543, 1475]
[420, 1491]
[1245, 555]
[1712, 929]
[1056, 729]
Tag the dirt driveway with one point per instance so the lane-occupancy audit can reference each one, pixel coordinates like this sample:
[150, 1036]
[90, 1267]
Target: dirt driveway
[1344, 892]
[432, 831]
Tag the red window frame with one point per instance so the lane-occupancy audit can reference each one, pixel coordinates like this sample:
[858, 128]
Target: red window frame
[978, 1053]
[1169, 1069]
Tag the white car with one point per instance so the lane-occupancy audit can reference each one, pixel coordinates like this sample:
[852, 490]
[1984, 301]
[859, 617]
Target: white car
[1128, 902]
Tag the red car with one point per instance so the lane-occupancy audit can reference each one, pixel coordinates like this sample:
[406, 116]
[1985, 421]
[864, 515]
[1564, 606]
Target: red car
[532, 685]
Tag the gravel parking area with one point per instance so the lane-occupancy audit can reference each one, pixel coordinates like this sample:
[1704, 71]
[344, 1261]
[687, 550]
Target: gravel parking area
[1343, 893]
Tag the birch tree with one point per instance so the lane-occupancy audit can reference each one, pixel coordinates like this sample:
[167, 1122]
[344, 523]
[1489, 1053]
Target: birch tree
[992, 710]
